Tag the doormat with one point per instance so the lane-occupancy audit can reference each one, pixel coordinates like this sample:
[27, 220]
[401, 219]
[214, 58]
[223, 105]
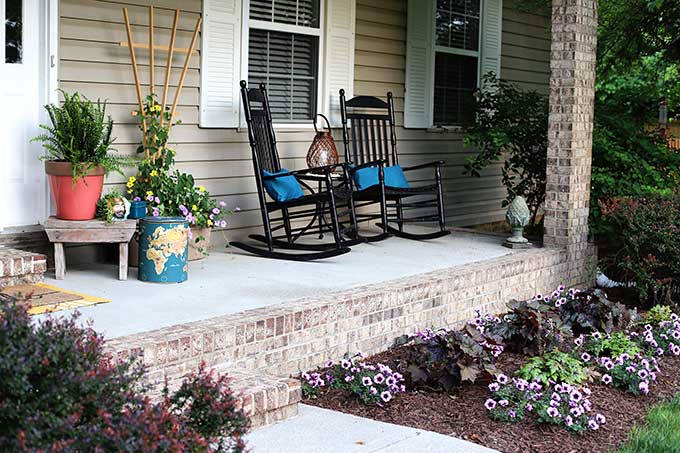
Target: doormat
[44, 298]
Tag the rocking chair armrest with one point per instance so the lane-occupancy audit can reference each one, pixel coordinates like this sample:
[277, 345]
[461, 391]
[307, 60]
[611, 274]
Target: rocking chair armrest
[375, 163]
[301, 173]
[436, 163]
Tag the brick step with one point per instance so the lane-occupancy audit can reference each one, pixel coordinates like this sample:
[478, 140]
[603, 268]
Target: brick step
[18, 267]
[266, 399]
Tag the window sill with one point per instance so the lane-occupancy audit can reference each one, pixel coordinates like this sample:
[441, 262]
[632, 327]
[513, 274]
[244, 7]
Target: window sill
[294, 127]
[445, 129]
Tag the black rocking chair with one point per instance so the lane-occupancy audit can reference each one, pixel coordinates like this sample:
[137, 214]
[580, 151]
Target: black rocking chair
[371, 141]
[322, 205]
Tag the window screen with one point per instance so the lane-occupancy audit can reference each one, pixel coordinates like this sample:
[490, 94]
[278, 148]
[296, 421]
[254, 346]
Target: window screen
[458, 24]
[304, 13]
[455, 79]
[287, 64]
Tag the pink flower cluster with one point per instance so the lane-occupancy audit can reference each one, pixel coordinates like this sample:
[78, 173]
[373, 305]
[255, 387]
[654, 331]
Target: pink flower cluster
[634, 374]
[373, 383]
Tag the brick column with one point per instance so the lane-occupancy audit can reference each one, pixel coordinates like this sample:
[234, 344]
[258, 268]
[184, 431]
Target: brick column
[570, 126]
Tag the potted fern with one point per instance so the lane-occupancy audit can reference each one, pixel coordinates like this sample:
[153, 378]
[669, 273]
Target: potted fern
[78, 144]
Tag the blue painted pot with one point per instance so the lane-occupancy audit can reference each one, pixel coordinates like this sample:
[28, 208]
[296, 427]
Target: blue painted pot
[163, 249]
[137, 210]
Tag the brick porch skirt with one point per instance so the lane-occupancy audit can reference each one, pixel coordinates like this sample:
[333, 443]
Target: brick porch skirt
[270, 344]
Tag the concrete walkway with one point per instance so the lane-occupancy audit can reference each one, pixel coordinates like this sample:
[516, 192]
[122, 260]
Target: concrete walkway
[321, 430]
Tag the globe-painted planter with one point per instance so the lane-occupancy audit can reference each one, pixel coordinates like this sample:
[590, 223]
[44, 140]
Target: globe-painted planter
[75, 199]
[163, 249]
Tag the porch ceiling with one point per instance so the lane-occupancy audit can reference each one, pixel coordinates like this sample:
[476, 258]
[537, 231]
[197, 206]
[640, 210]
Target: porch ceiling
[228, 283]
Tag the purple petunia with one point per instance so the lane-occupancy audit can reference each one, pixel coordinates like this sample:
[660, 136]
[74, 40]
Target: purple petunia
[366, 380]
[553, 412]
[386, 396]
[592, 424]
[379, 378]
[346, 364]
[599, 418]
[607, 379]
[490, 404]
[503, 403]
[494, 386]
[585, 357]
[215, 211]
[502, 379]
[644, 387]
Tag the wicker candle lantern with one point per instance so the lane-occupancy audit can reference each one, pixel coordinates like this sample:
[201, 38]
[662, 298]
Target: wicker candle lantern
[322, 151]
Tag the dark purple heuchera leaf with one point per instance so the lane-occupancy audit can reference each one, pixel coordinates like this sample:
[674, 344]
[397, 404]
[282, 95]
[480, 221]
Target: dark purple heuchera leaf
[445, 359]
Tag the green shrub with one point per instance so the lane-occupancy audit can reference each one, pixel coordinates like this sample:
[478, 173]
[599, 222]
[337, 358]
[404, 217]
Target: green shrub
[60, 392]
[613, 345]
[658, 314]
[511, 128]
[554, 366]
[648, 244]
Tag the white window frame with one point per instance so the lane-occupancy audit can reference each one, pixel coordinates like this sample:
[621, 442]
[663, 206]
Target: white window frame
[287, 28]
[455, 51]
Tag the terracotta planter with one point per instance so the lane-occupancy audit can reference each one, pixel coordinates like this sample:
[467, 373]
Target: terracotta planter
[75, 200]
[199, 249]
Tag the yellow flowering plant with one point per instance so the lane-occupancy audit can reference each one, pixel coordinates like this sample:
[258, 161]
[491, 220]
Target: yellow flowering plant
[166, 193]
[183, 197]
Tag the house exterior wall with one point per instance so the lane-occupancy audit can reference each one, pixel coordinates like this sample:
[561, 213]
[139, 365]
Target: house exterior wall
[380, 60]
[92, 62]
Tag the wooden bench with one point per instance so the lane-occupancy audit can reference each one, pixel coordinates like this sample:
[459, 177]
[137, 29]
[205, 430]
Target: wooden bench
[61, 232]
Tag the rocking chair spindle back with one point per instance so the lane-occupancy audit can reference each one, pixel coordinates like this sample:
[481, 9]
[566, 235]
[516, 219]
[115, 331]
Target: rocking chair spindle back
[310, 214]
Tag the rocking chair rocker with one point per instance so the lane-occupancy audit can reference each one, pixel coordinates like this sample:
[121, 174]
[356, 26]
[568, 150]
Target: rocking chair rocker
[371, 144]
[320, 208]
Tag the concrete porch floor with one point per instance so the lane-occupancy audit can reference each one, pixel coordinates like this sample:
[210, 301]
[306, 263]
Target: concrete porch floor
[229, 282]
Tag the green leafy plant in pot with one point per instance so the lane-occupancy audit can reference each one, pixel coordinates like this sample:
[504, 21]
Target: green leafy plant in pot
[78, 154]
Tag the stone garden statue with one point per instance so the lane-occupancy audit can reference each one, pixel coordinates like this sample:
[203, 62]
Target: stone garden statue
[518, 217]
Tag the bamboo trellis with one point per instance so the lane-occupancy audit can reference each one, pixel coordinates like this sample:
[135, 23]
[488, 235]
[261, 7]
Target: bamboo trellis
[171, 49]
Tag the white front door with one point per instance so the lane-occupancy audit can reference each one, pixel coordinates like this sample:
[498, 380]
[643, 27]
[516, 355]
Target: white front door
[23, 84]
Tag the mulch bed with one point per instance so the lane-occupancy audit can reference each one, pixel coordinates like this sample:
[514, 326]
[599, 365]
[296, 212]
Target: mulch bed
[463, 415]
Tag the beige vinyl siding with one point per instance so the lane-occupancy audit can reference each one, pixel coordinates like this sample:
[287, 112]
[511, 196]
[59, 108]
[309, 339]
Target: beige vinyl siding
[379, 67]
[92, 62]
[525, 55]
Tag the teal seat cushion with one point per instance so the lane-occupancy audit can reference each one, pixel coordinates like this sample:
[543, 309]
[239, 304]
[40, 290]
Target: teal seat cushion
[284, 188]
[368, 177]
